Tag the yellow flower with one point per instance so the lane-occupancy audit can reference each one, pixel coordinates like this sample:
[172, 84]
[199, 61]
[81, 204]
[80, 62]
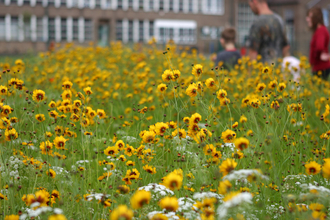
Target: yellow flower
[192, 90]
[197, 70]
[51, 173]
[281, 87]
[312, 168]
[140, 198]
[260, 87]
[11, 134]
[210, 83]
[40, 117]
[168, 76]
[111, 151]
[59, 142]
[12, 217]
[88, 91]
[171, 204]
[224, 187]
[162, 87]
[230, 196]
[161, 128]
[241, 143]
[67, 85]
[148, 136]
[160, 216]
[228, 136]
[57, 217]
[38, 95]
[121, 213]
[3, 90]
[150, 169]
[227, 166]
[326, 169]
[173, 181]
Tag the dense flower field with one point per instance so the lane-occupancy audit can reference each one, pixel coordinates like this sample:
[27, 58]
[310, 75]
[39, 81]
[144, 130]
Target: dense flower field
[141, 133]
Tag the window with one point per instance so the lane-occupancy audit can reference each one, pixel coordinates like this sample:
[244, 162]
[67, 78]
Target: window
[27, 28]
[200, 8]
[151, 29]
[14, 28]
[63, 2]
[180, 5]
[86, 3]
[97, 3]
[190, 5]
[51, 28]
[26, 2]
[2, 28]
[245, 19]
[63, 29]
[120, 4]
[141, 4]
[208, 6]
[14, 2]
[119, 30]
[40, 30]
[161, 5]
[151, 5]
[75, 29]
[141, 30]
[171, 4]
[220, 6]
[51, 2]
[38, 2]
[130, 30]
[107, 4]
[74, 3]
[130, 3]
[88, 30]
[325, 13]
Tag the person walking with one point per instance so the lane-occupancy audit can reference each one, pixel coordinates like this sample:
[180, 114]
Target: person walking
[267, 35]
[319, 57]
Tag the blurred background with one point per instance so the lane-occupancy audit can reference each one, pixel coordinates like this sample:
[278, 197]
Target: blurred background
[28, 26]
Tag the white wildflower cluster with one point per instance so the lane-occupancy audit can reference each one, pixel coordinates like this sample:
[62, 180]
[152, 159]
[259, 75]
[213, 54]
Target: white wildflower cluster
[275, 210]
[301, 177]
[203, 195]
[13, 168]
[186, 207]
[31, 213]
[244, 197]
[97, 196]
[318, 188]
[230, 146]
[243, 174]
[158, 190]
[82, 161]
[129, 139]
[169, 215]
[59, 170]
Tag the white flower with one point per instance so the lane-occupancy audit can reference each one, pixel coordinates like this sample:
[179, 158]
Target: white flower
[318, 188]
[129, 139]
[203, 195]
[157, 188]
[242, 174]
[236, 200]
[58, 211]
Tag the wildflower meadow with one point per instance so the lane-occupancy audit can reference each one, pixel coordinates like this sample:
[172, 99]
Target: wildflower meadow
[138, 132]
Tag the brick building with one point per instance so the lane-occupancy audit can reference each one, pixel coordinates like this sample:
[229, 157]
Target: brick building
[30, 25]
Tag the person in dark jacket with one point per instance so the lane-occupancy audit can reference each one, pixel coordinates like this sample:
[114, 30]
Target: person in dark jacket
[230, 55]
